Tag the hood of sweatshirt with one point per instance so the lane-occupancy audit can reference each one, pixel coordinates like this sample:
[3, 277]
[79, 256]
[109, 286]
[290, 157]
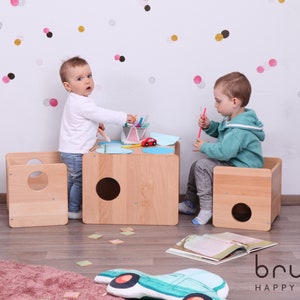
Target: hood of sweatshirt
[247, 121]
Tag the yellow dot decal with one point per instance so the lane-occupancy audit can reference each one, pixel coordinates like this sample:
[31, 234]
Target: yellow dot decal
[218, 37]
[174, 37]
[81, 28]
[18, 42]
[281, 1]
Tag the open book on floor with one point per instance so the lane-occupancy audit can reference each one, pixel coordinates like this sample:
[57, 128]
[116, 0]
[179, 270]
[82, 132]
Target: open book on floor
[217, 248]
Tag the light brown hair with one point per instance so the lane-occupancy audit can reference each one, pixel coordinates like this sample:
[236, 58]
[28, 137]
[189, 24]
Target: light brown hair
[235, 85]
[75, 61]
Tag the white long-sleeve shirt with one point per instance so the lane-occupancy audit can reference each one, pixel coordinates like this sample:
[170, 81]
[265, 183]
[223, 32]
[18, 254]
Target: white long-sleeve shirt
[80, 121]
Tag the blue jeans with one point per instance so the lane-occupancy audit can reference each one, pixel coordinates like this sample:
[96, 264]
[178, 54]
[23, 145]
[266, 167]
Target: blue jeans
[74, 165]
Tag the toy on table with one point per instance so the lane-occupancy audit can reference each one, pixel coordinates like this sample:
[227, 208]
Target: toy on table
[134, 134]
[144, 143]
[148, 142]
[181, 285]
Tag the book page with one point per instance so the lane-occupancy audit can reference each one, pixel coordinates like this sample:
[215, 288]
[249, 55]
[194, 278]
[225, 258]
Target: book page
[250, 243]
[217, 248]
[208, 247]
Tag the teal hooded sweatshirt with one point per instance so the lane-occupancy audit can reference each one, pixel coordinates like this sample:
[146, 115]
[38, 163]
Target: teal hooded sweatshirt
[238, 140]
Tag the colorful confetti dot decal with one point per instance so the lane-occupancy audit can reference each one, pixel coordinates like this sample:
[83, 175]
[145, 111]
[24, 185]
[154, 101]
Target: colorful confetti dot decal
[152, 80]
[49, 34]
[50, 102]
[5, 79]
[17, 2]
[39, 61]
[197, 79]
[18, 42]
[223, 35]
[174, 37]
[260, 69]
[218, 37]
[147, 7]
[120, 58]
[81, 28]
[14, 2]
[11, 76]
[53, 102]
[271, 63]
[112, 22]
[8, 77]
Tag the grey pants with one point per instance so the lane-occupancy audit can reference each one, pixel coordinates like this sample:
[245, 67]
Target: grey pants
[200, 182]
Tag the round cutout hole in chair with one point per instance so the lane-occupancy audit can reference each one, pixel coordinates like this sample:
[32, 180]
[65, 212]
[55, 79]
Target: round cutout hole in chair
[34, 161]
[108, 189]
[37, 180]
[241, 212]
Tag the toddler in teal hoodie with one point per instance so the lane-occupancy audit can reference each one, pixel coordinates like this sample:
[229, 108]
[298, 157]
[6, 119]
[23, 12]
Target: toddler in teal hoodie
[238, 143]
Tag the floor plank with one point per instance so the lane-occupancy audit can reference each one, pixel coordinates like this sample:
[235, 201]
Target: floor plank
[63, 246]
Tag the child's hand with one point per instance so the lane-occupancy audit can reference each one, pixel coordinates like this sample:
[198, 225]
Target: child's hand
[131, 119]
[203, 121]
[198, 144]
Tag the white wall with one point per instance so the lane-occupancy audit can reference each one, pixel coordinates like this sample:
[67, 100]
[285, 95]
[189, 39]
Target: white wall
[157, 75]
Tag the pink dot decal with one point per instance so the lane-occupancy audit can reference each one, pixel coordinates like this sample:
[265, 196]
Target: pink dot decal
[14, 2]
[120, 58]
[39, 61]
[260, 69]
[5, 79]
[8, 77]
[273, 62]
[50, 102]
[197, 79]
[53, 102]
[49, 34]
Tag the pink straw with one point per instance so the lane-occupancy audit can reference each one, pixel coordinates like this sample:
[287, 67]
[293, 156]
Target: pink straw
[200, 128]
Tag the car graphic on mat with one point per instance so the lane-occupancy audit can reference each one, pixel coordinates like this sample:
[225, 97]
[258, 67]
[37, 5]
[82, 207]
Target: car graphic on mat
[187, 284]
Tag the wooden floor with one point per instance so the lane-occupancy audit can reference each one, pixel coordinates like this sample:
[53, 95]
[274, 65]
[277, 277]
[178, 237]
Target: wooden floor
[63, 246]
